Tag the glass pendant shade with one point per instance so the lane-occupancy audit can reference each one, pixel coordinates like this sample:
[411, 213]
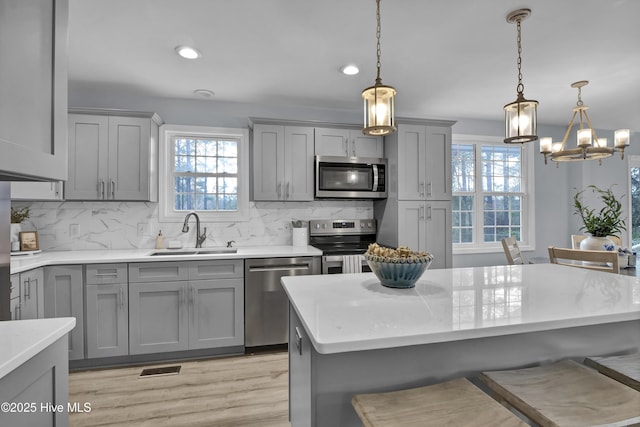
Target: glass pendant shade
[621, 138]
[521, 121]
[379, 110]
[584, 137]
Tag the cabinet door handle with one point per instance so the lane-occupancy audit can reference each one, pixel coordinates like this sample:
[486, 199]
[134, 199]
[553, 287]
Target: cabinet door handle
[421, 189]
[17, 310]
[299, 341]
[353, 145]
[113, 189]
[27, 289]
[346, 146]
[286, 196]
[278, 189]
[101, 188]
[428, 213]
[429, 189]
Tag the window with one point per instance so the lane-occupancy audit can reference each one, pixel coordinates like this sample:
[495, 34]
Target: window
[203, 170]
[492, 194]
[633, 226]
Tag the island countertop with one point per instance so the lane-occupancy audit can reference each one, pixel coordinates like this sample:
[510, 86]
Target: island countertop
[23, 339]
[353, 312]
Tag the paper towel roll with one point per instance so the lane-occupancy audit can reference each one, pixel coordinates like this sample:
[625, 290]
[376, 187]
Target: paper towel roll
[300, 237]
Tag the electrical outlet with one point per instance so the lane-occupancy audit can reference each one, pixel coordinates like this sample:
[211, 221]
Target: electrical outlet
[74, 230]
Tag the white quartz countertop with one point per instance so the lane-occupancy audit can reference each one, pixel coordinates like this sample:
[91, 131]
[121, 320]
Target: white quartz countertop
[354, 312]
[28, 262]
[20, 340]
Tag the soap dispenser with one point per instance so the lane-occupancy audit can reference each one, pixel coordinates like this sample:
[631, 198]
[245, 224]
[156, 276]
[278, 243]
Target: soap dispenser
[160, 240]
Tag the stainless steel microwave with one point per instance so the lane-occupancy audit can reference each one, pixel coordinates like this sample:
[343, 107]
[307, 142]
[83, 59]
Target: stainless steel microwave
[350, 177]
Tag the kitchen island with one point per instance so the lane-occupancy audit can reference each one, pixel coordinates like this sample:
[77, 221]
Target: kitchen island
[34, 372]
[348, 334]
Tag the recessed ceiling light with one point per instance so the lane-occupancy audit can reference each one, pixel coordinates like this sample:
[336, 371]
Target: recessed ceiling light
[350, 70]
[204, 93]
[188, 52]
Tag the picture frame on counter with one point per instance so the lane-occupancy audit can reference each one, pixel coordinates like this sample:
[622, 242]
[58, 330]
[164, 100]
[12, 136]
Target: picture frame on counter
[29, 241]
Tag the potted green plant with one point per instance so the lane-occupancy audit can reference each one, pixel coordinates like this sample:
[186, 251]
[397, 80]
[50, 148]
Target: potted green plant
[607, 221]
[17, 217]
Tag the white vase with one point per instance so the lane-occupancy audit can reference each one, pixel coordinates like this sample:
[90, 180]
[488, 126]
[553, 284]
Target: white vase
[593, 243]
[15, 232]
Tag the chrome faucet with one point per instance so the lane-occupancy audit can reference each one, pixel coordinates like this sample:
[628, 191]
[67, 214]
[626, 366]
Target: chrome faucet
[199, 237]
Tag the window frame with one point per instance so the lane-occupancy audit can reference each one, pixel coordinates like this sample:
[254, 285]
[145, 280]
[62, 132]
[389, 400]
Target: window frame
[166, 175]
[527, 233]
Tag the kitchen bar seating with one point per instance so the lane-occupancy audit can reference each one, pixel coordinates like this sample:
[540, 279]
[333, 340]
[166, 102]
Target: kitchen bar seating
[565, 393]
[625, 369]
[512, 251]
[453, 403]
[594, 260]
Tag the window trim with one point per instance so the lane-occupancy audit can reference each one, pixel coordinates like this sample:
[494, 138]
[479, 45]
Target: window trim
[165, 185]
[528, 227]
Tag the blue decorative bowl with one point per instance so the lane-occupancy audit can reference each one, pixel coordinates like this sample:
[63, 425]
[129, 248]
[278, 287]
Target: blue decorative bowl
[398, 272]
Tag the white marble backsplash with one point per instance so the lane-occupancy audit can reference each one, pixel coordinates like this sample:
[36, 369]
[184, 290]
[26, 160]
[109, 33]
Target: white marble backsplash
[135, 225]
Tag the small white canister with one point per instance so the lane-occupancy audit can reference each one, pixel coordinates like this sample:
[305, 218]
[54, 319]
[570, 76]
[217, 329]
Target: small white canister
[300, 236]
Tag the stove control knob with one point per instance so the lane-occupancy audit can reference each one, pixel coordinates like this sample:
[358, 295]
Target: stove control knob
[317, 226]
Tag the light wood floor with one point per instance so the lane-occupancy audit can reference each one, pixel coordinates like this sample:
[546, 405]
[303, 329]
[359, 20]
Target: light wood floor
[247, 390]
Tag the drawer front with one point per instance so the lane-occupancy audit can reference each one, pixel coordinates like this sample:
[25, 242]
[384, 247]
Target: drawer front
[106, 274]
[158, 272]
[216, 269]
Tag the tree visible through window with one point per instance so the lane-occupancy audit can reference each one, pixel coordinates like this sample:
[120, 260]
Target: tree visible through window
[205, 174]
[489, 192]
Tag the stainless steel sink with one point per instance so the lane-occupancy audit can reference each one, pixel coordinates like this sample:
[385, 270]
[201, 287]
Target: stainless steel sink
[203, 251]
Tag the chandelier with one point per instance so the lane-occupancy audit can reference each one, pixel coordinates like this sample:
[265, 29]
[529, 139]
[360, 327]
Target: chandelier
[378, 99]
[589, 146]
[520, 116]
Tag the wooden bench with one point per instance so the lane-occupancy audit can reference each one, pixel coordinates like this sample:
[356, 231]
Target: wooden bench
[566, 393]
[453, 403]
[625, 369]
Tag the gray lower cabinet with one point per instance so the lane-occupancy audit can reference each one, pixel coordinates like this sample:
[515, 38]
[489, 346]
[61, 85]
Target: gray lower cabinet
[41, 380]
[31, 294]
[158, 317]
[107, 310]
[63, 297]
[14, 297]
[204, 311]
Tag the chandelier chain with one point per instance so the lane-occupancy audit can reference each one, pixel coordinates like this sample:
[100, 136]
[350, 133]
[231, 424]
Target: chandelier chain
[378, 50]
[520, 87]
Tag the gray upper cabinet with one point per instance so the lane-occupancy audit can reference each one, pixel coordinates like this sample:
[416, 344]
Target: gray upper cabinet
[282, 163]
[424, 162]
[22, 190]
[112, 155]
[33, 84]
[347, 142]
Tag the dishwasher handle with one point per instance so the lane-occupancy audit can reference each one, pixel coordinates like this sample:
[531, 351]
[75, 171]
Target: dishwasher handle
[278, 267]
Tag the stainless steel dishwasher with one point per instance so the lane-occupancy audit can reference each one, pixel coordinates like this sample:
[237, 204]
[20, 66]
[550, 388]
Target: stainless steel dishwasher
[266, 306]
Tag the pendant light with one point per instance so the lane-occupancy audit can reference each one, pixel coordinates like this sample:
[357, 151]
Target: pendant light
[379, 99]
[520, 116]
[589, 146]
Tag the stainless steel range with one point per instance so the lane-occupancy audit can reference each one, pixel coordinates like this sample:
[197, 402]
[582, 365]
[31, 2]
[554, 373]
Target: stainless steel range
[338, 239]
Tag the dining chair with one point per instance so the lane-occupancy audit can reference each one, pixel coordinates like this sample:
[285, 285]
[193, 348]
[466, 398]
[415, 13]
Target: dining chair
[512, 251]
[577, 238]
[594, 260]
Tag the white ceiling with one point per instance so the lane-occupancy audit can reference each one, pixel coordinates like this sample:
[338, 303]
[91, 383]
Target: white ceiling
[448, 59]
